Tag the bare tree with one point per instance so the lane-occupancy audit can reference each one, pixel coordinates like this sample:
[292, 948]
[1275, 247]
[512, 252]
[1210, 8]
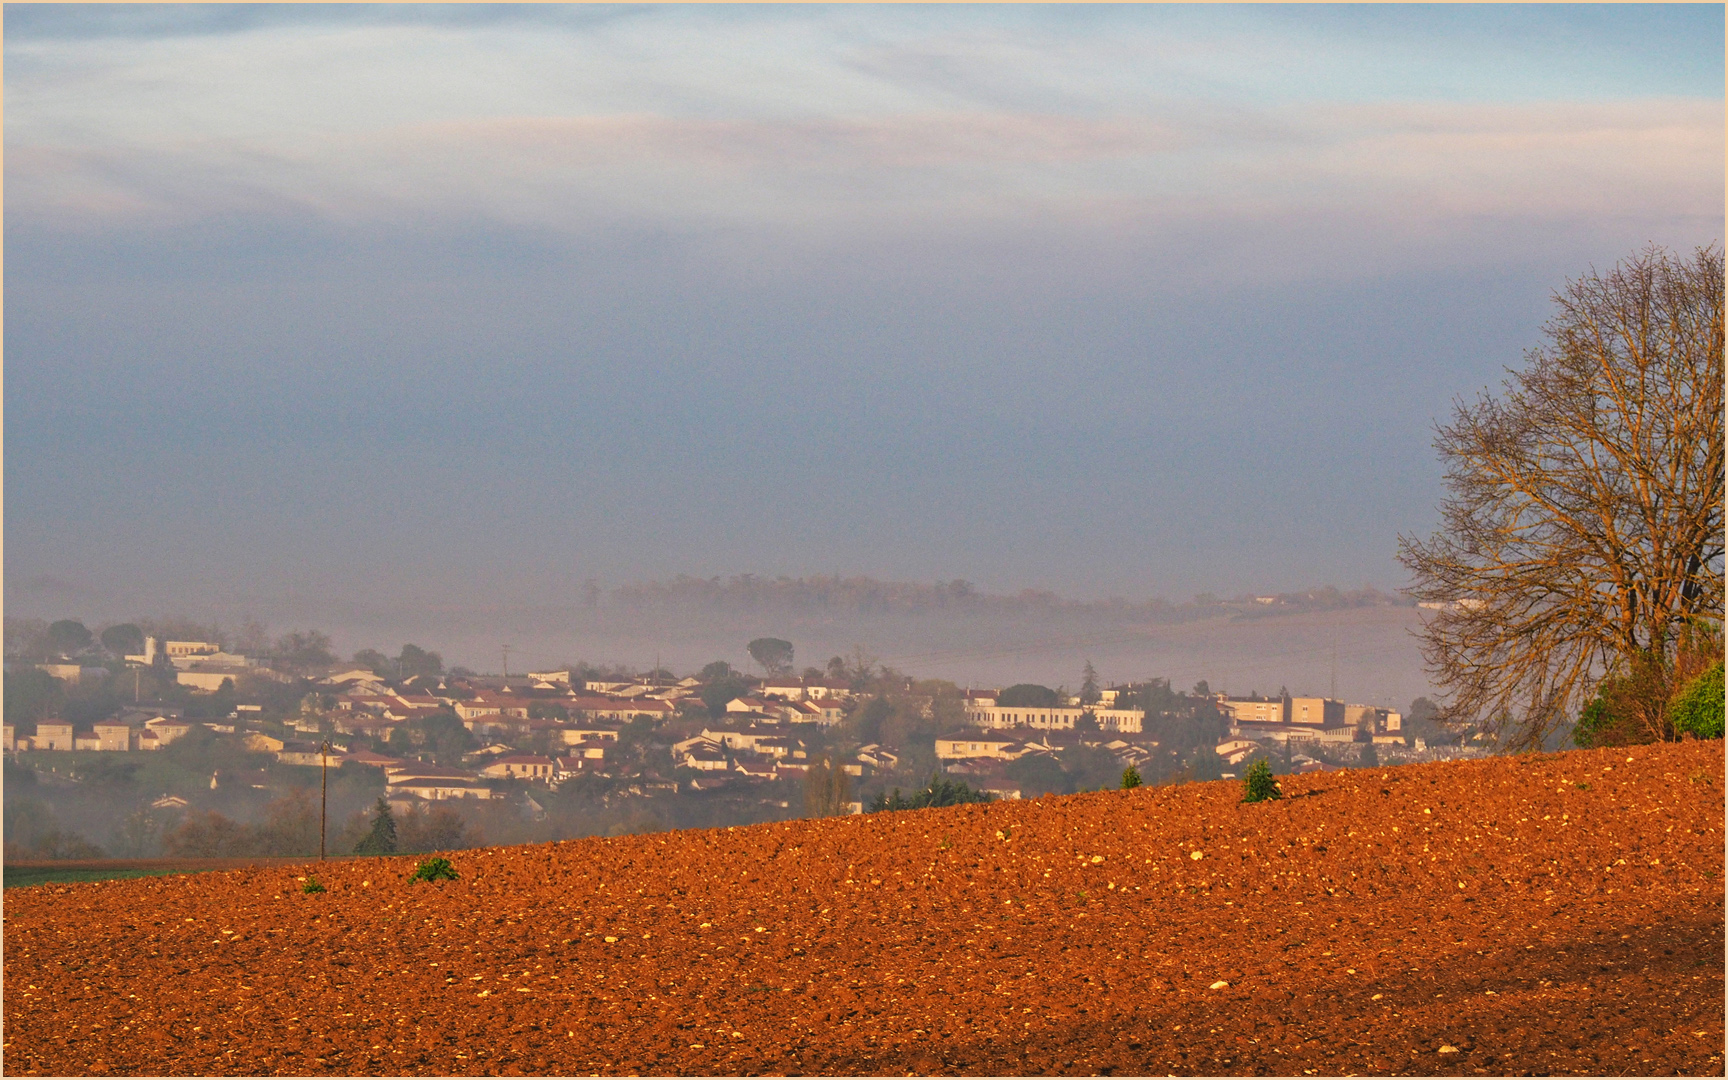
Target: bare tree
[1582, 529]
[827, 789]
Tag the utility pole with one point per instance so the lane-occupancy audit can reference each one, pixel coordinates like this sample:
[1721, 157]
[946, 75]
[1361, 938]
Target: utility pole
[323, 794]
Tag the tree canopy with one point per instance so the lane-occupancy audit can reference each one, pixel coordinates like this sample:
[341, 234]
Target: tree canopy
[774, 654]
[123, 639]
[941, 791]
[69, 636]
[1029, 696]
[1582, 526]
[1089, 693]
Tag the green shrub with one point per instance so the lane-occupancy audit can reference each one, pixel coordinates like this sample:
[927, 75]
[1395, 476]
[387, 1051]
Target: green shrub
[311, 886]
[436, 869]
[1260, 784]
[1697, 708]
[1130, 778]
[941, 792]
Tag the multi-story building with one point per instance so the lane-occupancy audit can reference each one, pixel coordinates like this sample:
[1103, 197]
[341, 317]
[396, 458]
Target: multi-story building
[1310, 711]
[1374, 720]
[1255, 710]
[1317, 712]
[52, 735]
[1052, 718]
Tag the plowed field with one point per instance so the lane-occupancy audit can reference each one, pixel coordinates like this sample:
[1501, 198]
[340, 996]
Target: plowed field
[1560, 914]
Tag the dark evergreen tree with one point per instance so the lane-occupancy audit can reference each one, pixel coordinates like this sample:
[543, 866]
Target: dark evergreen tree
[1089, 694]
[382, 839]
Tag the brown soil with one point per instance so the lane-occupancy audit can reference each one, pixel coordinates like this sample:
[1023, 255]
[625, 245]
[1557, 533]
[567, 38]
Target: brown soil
[1539, 915]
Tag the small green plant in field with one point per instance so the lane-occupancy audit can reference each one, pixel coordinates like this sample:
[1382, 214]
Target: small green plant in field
[311, 886]
[1260, 784]
[436, 869]
[1130, 778]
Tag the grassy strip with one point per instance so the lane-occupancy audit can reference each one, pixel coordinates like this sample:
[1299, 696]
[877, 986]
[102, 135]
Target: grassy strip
[15, 877]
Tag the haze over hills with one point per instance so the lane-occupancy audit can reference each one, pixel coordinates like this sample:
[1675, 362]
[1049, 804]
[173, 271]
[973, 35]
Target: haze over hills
[1305, 641]
[1119, 300]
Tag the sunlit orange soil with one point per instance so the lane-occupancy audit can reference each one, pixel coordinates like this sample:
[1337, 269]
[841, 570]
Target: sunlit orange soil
[1555, 914]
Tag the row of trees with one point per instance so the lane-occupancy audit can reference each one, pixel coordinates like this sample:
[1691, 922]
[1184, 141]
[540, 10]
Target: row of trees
[412, 662]
[36, 640]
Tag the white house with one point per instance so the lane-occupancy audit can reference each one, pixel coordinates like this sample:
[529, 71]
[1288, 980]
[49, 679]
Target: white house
[522, 767]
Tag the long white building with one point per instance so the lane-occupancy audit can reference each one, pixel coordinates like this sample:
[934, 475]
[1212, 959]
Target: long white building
[1040, 718]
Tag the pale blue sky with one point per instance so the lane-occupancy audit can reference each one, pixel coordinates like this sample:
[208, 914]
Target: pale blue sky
[407, 306]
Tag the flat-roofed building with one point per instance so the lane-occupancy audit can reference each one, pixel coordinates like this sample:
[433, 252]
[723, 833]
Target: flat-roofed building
[1051, 718]
[1255, 710]
[962, 745]
[1317, 712]
[205, 681]
[1373, 719]
[191, 648]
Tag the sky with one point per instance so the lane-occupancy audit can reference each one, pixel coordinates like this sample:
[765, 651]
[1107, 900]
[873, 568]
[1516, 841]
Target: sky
[311, 310]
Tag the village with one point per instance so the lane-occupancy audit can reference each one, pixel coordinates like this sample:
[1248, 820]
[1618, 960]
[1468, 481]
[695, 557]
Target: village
[457, 738]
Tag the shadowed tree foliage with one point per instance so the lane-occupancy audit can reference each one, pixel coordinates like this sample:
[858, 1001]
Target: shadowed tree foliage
[1582, 528]
[303, 652]
[1089, 694]
[69, 636]
[417, 661]
[721, 690]
[941, 792]
[381, 840]
[435, 828]
[124, 639]
[774, 654]
[31, 695]
[1028, 696]
[205, 834]
[1654, 699]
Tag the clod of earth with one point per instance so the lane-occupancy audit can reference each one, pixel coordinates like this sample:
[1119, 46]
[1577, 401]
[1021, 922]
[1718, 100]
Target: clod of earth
[1586, 939]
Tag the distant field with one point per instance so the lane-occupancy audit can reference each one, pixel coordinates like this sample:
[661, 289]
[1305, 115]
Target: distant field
[58, 872]
[18, 876]
[1545, 914]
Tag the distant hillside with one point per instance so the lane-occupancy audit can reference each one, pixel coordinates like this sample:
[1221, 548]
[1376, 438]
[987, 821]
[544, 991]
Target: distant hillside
[868, 596]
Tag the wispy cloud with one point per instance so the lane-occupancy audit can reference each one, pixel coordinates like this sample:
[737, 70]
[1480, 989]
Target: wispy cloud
[1419, 162]
[561, 119]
